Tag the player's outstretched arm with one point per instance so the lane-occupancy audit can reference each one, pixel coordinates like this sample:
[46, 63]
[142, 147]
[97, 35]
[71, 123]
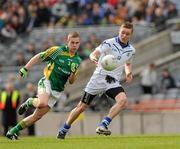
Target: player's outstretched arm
[35, 59]
[24, 71]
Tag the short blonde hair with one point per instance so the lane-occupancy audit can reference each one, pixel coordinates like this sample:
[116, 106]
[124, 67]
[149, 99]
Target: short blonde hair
[73, 35]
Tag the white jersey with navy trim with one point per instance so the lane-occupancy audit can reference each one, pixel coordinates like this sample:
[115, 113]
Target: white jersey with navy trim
[122, 53]
[97, 83]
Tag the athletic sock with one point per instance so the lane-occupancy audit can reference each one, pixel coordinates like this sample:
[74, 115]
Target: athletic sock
[105, 122]
[20, 126]
[65, 128]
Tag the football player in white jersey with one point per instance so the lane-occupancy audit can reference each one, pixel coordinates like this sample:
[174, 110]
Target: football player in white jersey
[107, 82]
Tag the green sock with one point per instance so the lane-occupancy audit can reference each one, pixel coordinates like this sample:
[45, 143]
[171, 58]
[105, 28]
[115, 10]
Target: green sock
[29, 102]
[20, 126]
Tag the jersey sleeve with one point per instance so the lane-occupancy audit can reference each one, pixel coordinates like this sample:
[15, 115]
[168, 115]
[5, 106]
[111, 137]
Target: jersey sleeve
[104, 47]
[129, 61]
[46, 55]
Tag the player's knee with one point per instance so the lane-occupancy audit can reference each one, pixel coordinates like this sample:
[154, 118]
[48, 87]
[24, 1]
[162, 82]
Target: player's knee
[125, 103]
[122, 102]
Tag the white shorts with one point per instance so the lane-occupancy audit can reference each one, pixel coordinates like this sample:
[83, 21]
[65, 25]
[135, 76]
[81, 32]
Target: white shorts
[44, 86]
[98, 84]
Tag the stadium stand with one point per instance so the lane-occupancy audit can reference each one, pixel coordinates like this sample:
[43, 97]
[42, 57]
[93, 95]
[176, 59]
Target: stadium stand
[155, 105]
[23, 23]
[26, 18]
[22, 16]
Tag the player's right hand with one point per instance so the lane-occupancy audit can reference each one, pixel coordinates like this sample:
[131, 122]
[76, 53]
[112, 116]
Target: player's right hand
[129, 77]
[94, 59]
[23, 72]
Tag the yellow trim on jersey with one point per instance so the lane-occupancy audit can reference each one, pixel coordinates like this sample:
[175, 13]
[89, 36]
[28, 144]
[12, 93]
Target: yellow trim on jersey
[48, 70]
[66, 54]
[49, 51]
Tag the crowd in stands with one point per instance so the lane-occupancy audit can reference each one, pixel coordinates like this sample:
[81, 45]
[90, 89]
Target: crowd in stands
[153, 82]
[18, 16]
[22, 16]
[22, 56]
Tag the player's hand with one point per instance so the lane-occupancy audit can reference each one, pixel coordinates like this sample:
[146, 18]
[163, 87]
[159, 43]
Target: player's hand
[129, 77]
[23, 72]
[94, 59]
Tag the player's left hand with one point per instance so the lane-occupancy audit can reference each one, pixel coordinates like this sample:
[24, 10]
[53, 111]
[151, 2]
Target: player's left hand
[129, 77]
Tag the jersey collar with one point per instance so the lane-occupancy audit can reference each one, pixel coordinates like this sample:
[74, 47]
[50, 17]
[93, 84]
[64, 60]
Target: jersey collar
[121, 44]
[67, 49]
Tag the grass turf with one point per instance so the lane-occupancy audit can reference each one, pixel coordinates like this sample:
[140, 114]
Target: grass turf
[98, 142]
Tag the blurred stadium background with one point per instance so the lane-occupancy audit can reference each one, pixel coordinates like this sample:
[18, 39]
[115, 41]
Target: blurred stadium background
[30, 26]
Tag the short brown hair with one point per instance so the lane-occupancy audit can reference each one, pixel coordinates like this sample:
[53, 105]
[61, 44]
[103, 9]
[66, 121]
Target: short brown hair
[127, 25]
[73, 35]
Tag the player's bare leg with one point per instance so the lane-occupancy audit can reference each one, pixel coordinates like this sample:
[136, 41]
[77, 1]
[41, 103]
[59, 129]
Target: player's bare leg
[71, 118]
[76, 112]
[120, 104]
[42, 108]
[41, 101]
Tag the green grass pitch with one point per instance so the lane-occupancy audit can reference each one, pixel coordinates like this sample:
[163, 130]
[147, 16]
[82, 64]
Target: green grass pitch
[94, 142]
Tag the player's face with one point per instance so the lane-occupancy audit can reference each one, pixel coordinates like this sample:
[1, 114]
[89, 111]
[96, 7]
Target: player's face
[73, 43]
[125, 34]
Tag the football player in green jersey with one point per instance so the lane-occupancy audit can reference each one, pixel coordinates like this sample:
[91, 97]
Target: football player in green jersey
[62, 65]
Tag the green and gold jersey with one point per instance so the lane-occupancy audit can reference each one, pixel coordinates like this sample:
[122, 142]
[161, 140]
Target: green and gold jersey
[60, 64]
